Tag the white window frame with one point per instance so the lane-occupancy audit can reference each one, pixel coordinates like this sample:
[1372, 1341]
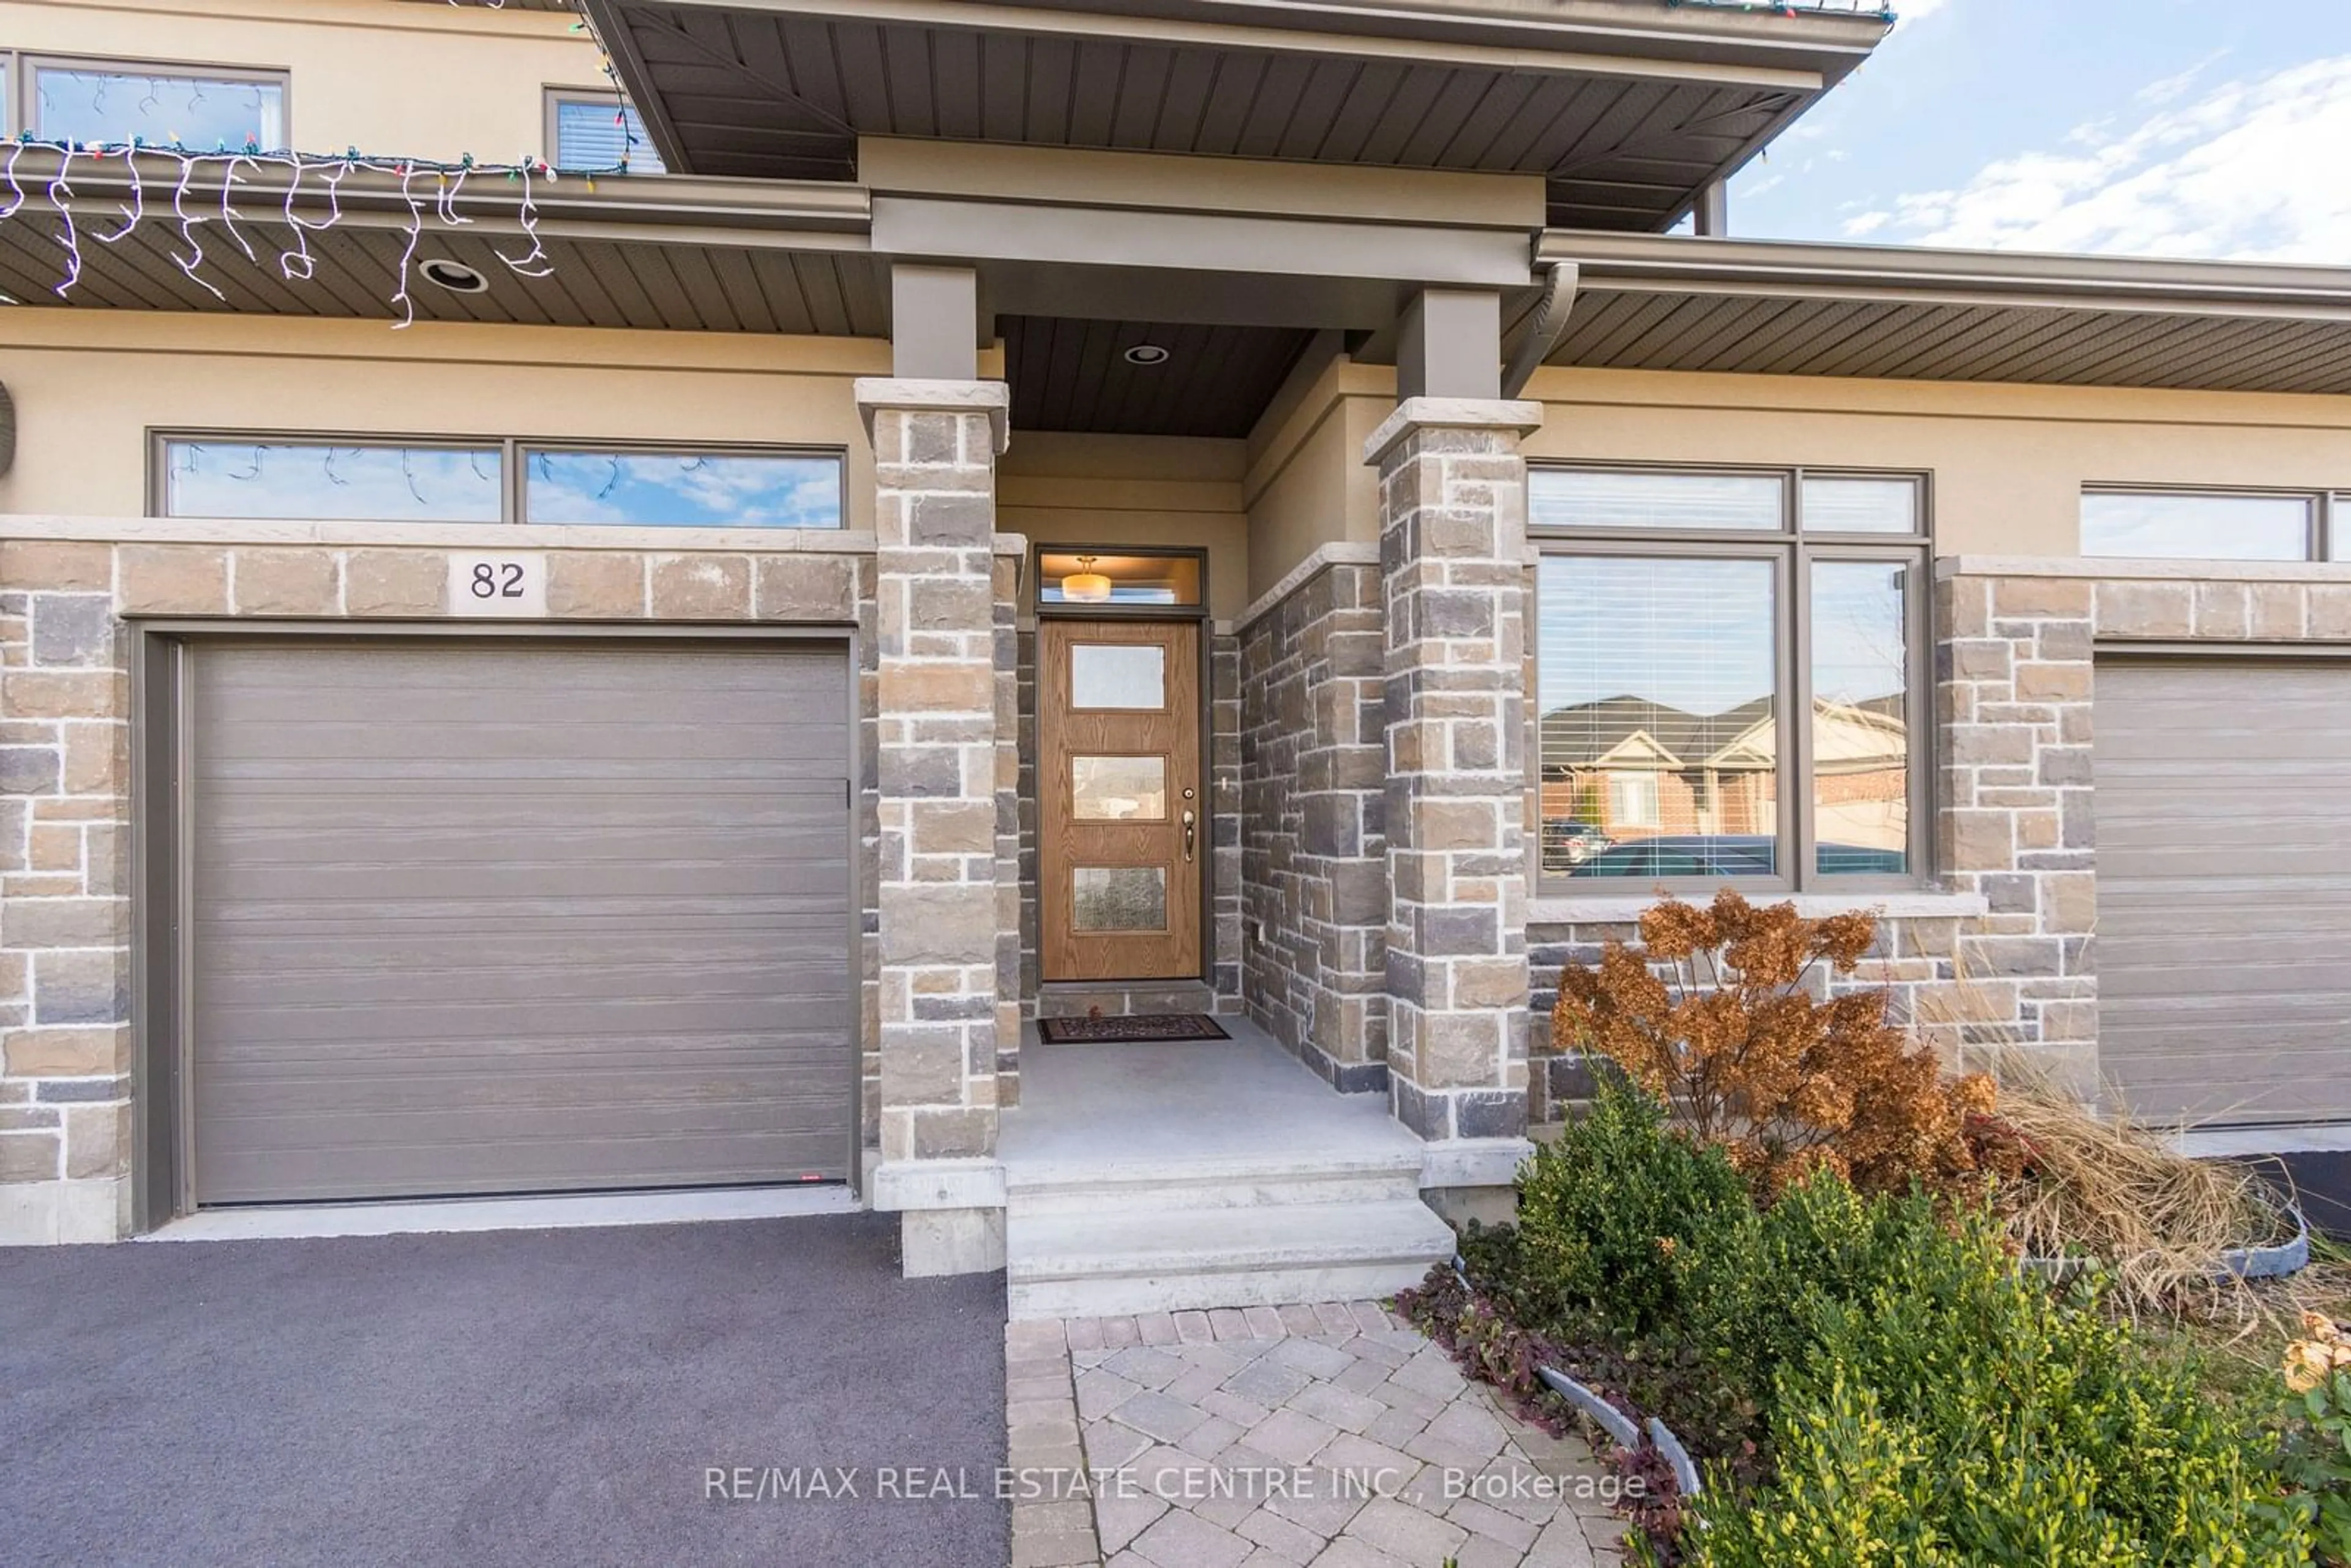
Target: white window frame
[1631, 807]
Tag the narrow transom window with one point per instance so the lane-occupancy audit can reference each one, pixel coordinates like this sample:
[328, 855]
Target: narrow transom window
[496, 480]
[683, 488]
[2209, 526]
[1728, 670]
[74, 100]
[333, 481]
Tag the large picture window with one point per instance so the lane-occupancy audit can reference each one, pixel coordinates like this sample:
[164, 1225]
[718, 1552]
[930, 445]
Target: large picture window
[1684, 620]
[494, 481]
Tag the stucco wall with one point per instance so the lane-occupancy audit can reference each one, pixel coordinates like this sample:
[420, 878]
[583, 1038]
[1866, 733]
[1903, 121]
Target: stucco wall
[1066, 488]
[2009, 462]
[383, 76]
[89, 385]
[1308, 483]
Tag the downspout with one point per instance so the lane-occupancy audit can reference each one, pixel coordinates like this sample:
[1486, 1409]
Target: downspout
[1544, 329]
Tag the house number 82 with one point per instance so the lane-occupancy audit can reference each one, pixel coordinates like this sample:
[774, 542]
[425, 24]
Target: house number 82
[497, 581]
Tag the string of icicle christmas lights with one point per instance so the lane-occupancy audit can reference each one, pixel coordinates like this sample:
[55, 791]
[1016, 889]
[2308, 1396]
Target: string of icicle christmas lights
[310, 178]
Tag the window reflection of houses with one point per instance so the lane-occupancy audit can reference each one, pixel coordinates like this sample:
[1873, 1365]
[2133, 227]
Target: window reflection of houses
[1623, 769]
[1861, 784]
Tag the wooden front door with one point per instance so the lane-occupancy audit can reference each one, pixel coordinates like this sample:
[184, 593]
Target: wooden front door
[1122, 817]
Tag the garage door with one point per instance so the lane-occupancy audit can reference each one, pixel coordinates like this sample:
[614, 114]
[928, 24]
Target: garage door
[509, 917]
[2224, 888]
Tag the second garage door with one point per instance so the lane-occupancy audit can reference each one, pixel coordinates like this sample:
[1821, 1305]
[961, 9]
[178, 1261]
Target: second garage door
[2224, 888]
[513, 916]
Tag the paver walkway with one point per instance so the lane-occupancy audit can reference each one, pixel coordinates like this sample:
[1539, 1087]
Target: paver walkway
[1333, 1436]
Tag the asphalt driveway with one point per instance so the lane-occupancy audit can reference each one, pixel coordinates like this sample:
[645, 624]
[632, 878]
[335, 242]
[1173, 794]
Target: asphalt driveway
[525, 1397]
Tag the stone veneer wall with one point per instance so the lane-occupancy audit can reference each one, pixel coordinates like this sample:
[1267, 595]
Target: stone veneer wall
[66, 1082]
[1312, 770]
[947, 907]
[2016, 769]
[1453, 545]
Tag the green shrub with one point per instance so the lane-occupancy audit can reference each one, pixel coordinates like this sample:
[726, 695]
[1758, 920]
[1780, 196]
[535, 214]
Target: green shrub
[1953, 1411]
[1611, 1214]
[2315, 1460]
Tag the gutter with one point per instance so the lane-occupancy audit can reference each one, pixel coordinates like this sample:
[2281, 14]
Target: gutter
[749, 214]
[1671, 263]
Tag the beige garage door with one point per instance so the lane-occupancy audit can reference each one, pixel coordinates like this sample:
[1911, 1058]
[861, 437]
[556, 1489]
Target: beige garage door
[512, 916]
[2224, 888]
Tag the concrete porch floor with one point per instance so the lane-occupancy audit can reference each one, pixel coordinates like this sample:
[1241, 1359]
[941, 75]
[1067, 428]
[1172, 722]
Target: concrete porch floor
[1205, 1101]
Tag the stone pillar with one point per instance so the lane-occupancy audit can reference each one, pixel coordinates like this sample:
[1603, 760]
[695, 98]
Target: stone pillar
[935, 444]
[1453, 575]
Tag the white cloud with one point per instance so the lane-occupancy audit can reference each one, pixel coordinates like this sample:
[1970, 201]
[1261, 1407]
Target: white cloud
[2250, 169]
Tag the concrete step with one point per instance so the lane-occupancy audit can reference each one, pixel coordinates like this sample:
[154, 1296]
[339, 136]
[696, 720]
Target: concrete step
[1155, 1186]
[1093, 1264]
[1068, 1000]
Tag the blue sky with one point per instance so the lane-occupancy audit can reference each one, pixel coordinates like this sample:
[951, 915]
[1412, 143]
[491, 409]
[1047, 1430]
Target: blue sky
[2184, 128]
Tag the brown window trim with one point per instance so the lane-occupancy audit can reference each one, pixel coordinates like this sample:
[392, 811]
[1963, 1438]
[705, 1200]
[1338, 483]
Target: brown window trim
[1796, 550]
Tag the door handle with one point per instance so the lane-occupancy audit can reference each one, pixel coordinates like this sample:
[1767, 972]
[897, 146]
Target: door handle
[1191, 833]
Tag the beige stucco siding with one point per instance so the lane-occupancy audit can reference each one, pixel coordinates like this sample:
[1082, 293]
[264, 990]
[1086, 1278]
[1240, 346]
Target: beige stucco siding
[1144, 490]
[383, 76]
[90, 386]
[2009, 462]
[1308, 483]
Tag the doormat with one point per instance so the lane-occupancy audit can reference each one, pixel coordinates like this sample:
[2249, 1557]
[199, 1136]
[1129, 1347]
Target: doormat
[1131, 1026]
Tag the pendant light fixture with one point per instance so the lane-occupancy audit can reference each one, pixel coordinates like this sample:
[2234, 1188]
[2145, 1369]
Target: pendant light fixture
[1085, 585]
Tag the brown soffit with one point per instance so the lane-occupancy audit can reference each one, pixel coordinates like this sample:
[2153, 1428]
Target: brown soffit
[1628, 134]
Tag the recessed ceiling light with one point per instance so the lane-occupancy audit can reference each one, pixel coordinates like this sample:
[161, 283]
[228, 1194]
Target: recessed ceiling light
[453, 275]
[1147, 354]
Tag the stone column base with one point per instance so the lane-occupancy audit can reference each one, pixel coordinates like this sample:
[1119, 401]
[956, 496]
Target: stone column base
[933, 1242]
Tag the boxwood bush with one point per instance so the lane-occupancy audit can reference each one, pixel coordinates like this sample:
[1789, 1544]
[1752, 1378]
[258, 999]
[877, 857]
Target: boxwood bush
[1873, 1379]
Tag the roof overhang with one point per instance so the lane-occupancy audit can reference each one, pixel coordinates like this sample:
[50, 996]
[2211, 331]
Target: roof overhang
[1628, 110]
[1672, 303]
[709, 255]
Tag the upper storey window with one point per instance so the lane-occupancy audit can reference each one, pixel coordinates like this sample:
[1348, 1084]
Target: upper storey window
[199, 108]
[594, 132]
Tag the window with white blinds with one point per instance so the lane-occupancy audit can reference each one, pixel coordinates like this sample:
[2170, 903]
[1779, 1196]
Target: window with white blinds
[598, 133]
[1684, 621]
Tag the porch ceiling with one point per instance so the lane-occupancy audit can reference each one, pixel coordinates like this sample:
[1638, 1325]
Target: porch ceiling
[1627, 109]
[1073, 375]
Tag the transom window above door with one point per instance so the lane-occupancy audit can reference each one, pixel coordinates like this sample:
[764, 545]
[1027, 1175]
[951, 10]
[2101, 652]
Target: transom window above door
[1119, 578]
[1727, 668]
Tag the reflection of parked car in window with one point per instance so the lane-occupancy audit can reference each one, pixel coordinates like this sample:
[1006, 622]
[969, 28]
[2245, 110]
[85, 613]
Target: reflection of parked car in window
[1728, 854]
[1566, 845]
[1853, 860]
[1679, 855]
